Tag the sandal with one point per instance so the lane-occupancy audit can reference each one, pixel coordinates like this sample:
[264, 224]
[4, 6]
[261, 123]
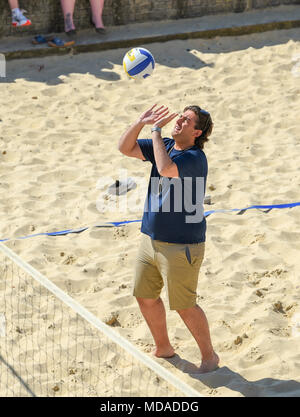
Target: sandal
[39, 39]
[58, 43]
[122, 187]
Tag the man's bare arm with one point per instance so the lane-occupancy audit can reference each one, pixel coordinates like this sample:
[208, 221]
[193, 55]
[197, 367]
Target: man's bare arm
[165, 166]
[128, 142]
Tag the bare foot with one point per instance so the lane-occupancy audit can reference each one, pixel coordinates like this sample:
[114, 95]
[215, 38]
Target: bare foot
[167, 352]
[209, 365]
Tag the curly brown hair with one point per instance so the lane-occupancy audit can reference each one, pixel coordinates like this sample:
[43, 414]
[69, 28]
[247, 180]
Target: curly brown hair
[204, 123]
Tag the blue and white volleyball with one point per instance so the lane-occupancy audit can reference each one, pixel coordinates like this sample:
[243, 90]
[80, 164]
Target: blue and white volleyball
[138, 63]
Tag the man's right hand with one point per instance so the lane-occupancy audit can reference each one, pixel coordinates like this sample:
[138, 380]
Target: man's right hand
[151, 116]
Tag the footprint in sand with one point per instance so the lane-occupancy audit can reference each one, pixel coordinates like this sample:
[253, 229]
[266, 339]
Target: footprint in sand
[55, 91]
[231, 80]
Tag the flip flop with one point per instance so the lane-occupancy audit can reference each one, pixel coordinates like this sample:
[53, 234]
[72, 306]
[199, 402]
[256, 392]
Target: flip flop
[122, 187]
[58, 43]
[39, 39]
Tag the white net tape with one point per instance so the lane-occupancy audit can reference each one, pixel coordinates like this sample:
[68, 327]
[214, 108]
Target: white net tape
[52, 346]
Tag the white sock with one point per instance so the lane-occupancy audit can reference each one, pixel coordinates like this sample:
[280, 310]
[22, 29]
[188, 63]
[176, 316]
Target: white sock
[16, 12]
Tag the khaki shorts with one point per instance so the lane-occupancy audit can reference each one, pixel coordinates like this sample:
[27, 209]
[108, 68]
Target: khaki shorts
[174, 265]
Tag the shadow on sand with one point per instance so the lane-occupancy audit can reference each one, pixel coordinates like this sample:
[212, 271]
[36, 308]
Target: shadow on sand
[181, 55]
[225, 377]
[49, 69]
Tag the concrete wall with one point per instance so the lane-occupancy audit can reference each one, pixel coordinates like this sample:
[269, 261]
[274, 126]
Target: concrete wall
[47, 17]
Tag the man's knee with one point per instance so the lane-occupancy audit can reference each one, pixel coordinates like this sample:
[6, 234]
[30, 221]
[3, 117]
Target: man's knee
[147, 302]
[186, 311]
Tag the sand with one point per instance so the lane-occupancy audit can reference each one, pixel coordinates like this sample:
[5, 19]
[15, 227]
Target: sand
[61, 119]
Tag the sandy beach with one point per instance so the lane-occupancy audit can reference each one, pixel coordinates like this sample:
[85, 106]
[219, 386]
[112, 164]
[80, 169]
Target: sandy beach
[61, 119]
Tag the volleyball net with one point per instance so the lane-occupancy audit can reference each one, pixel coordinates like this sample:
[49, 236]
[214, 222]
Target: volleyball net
[50, 345]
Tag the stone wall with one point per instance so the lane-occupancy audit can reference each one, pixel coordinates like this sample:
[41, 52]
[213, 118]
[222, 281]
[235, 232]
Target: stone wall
[46, 15]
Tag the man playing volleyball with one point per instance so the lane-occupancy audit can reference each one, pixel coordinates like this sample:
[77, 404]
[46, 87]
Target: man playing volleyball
[173, 226]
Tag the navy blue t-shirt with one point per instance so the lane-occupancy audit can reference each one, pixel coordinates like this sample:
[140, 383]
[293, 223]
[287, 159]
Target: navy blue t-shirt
[173, 209]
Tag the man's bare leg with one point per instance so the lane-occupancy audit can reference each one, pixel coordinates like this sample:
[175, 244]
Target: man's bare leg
[196, 321]
[155, 315]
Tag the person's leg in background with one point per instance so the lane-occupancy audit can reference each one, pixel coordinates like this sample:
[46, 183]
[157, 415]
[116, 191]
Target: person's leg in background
[13, 4]
[97, 9]
[18, 19]
[68, 11]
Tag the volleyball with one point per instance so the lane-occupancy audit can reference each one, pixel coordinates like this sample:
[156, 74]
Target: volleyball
[138, 63]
